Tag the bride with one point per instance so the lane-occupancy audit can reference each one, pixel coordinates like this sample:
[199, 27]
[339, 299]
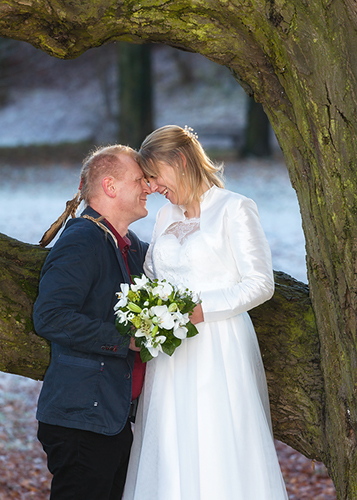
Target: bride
[203, 429]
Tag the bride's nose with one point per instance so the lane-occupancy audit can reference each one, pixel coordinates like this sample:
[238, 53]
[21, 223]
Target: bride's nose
[153, 185]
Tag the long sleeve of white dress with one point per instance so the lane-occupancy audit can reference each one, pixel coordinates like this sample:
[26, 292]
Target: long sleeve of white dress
[246, 243]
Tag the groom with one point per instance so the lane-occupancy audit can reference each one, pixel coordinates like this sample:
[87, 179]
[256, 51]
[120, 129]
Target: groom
[84, 404]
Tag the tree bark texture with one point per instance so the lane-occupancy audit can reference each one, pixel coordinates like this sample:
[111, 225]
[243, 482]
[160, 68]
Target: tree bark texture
[299, 59]
[22, 351]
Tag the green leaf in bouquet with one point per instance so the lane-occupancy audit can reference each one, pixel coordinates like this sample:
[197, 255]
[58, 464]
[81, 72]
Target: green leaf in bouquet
[145, 355]
[170, 345]
[122, 328]
[138, 341]
[192, 330]
[186, 306]
[181, 306]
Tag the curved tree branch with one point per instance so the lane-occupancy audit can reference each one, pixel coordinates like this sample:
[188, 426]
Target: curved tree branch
[22, 351]
[285, 327]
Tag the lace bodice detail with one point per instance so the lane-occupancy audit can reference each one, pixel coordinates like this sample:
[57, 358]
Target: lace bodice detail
[183, 229]
[181, 256]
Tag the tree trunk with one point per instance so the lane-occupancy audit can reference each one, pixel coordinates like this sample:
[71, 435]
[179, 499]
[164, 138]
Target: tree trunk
[135, 94]
[5, 57]
[298, 59]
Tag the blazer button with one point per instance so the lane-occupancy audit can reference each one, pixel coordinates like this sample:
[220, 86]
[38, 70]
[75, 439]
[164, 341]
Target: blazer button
[127, 375]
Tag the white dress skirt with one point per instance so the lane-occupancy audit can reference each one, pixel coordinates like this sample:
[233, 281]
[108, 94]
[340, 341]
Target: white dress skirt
[203, 429]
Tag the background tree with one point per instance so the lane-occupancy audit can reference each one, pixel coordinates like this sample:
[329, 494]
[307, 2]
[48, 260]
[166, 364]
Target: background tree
[135, 93]
[257, 131]
[298, 58]
[6, 53]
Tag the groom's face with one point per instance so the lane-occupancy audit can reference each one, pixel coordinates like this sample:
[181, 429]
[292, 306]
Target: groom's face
[132, 191]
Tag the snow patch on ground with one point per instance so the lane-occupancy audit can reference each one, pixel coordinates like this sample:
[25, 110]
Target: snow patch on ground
[33, 197]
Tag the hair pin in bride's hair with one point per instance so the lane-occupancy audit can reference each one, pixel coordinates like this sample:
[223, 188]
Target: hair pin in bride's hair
[190, 132]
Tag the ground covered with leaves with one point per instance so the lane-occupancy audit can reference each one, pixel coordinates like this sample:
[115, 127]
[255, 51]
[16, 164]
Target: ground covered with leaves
[23, 471]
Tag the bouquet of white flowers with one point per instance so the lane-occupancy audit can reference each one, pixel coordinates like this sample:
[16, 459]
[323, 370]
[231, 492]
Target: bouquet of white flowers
[156, 313]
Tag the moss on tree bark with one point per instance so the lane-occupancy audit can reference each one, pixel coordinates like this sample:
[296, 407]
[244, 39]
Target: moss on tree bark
[22, 351]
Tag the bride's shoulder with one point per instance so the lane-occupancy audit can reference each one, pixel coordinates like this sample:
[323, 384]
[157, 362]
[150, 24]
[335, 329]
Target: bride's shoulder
[231, 198]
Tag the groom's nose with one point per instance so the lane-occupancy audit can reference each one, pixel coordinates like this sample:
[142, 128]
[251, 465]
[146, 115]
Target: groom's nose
[146, 187]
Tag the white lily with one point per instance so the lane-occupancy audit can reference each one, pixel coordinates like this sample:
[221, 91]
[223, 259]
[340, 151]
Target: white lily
[139, 283]
[180, 332]
[141, 332]
[145, 313]
[122, 316]
[146, 327]
[122, 296]
[163, 317]
[154, 345]
[163, 290]
[180, 319]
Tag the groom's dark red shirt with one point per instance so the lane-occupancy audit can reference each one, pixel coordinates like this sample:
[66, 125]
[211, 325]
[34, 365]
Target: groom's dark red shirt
[139, 366]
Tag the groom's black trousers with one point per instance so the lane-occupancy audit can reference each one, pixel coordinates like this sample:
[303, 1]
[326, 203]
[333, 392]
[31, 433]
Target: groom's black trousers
[86, 465]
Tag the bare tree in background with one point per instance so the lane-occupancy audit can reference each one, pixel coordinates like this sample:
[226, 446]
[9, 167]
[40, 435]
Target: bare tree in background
[257, 131]
[135, 93]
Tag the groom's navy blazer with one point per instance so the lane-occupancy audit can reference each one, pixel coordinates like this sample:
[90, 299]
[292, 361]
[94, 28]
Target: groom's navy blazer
[88, 383]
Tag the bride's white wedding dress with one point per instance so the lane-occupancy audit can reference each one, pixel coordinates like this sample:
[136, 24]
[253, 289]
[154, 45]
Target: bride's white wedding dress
[203, 428]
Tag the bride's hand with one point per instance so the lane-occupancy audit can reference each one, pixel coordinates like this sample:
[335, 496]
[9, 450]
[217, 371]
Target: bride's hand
[197, 315]
[132, 345]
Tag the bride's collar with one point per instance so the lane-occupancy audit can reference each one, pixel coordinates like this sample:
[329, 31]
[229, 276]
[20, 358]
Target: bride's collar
[203, 197]
[207, 193]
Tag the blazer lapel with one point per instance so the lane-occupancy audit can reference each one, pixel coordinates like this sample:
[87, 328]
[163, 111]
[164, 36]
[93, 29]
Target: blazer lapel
[111, 238]
[126, 277]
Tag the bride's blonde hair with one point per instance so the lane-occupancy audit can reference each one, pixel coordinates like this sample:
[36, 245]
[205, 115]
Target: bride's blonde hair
[181, 150]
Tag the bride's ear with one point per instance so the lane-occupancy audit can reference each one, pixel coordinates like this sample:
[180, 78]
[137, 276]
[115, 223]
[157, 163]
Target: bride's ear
[183, 159]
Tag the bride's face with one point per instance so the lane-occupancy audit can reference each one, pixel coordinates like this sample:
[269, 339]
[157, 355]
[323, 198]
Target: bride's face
[166, 183]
